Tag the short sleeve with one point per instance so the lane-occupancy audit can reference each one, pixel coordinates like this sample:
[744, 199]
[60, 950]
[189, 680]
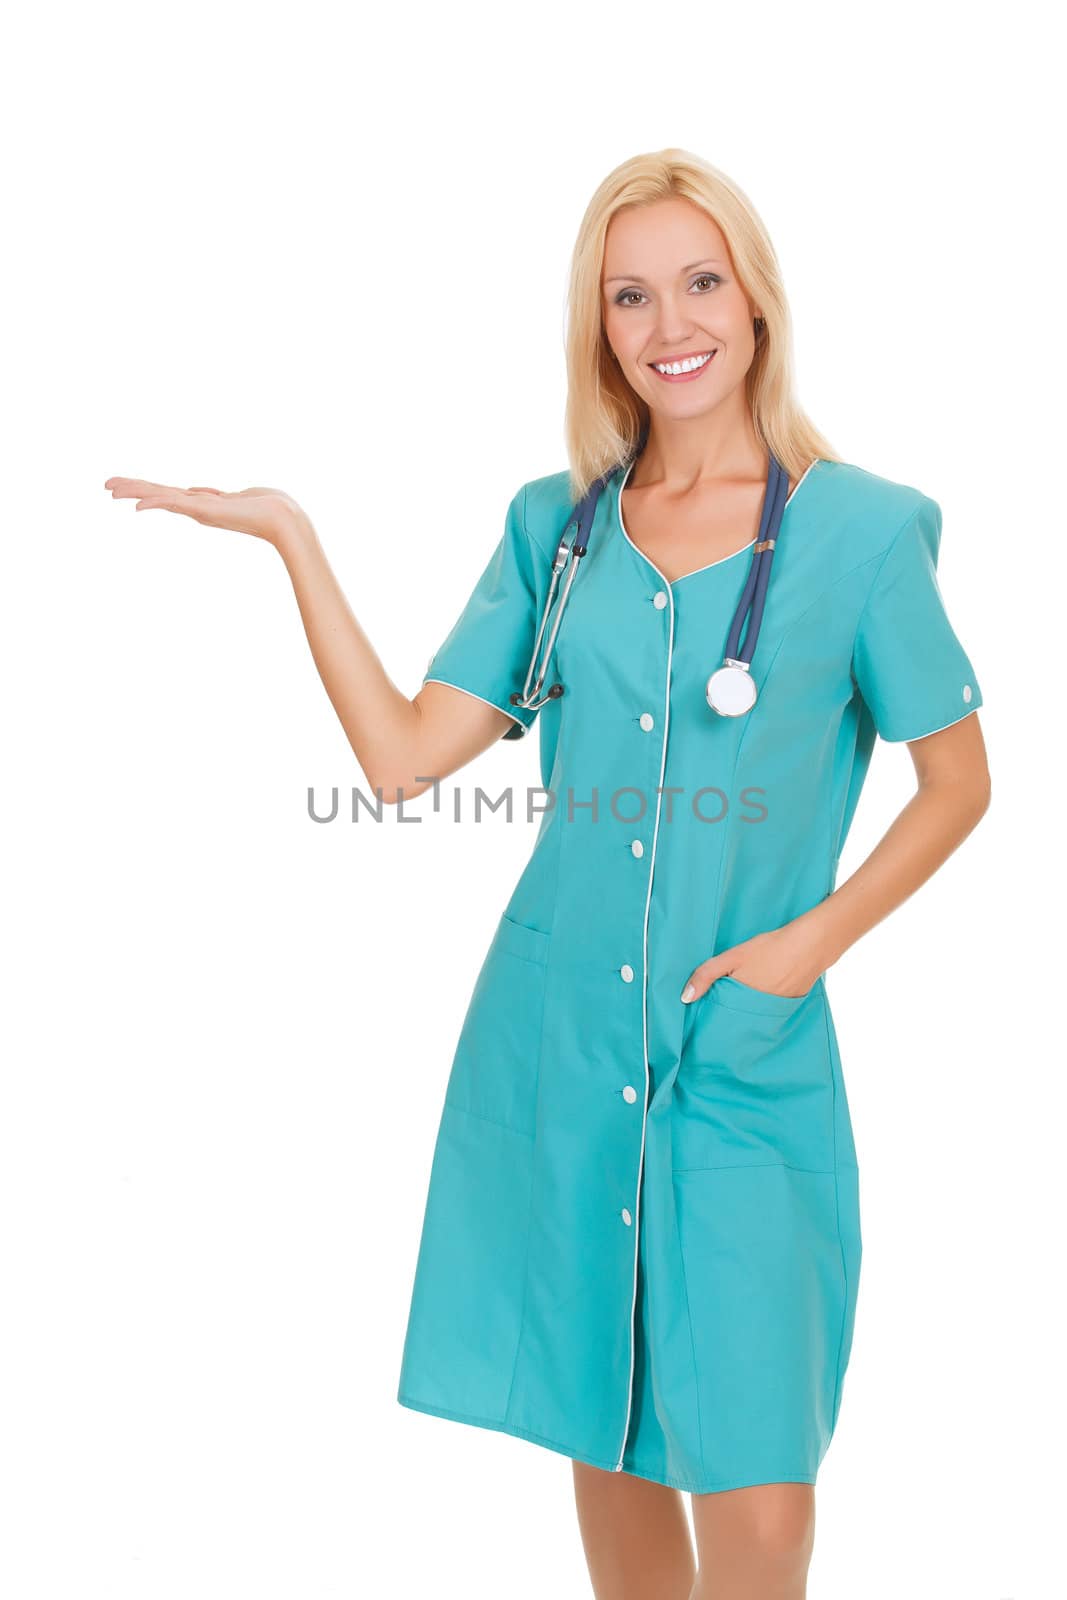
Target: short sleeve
[910, 668]
[487, 652]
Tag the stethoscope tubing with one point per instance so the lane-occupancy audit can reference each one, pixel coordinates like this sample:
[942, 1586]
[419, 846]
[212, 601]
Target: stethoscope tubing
[566, 557]
[754, 593]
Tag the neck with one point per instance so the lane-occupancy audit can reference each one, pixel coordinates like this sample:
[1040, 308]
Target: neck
[681, 453]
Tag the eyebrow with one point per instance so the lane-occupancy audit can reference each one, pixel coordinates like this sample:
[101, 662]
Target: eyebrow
[632, 277]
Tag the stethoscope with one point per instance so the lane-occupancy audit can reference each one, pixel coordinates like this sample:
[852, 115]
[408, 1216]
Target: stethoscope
[731, 689]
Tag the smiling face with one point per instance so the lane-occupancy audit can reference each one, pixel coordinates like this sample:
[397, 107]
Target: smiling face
[670, 295]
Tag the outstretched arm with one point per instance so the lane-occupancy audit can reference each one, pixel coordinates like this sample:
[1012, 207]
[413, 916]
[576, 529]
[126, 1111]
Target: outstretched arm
[402, 744]
[396, 740]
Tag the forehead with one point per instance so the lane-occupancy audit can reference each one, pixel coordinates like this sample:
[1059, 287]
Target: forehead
[660, 240]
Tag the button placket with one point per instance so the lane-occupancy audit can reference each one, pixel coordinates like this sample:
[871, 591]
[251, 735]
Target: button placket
[662, 600]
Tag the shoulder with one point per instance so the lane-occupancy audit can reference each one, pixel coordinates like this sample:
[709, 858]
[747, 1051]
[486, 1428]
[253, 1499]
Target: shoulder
[547, 507]
[865, 508]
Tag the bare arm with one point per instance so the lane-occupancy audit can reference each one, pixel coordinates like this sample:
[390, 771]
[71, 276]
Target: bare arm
[395, 739]
[952, 796]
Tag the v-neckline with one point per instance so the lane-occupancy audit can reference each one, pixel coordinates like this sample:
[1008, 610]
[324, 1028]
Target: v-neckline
[671, 582]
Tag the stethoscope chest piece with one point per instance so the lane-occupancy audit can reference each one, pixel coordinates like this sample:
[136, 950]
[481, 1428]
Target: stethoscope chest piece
[731, 689]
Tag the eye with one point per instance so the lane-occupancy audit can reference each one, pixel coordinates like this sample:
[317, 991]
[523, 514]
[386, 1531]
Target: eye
[709, 278]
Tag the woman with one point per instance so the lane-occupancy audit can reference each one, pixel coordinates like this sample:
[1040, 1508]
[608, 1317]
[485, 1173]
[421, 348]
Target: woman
[641, 1245]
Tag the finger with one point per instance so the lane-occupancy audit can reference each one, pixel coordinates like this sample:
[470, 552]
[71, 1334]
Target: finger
[176, 500]
[702, 977]
[131, 488]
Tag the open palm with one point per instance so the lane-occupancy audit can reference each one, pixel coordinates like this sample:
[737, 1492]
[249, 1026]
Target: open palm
[265, 513]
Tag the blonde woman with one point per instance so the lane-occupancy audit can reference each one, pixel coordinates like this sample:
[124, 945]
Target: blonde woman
[641, 1245]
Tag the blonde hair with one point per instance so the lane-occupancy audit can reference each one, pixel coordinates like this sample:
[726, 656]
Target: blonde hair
[605, 420]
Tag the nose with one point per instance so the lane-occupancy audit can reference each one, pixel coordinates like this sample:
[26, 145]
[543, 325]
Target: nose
[674, 325]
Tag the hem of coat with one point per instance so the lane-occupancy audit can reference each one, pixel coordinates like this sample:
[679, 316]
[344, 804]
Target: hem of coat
[669, 1482]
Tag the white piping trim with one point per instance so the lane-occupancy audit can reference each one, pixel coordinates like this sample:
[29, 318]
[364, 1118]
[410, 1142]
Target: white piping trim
[800, 480]
[481, 697]
[718, 563]
[644, 1002]
[917, 736]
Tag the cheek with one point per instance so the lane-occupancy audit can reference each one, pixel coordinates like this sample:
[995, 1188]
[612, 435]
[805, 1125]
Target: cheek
[737, 324]
[624, 333]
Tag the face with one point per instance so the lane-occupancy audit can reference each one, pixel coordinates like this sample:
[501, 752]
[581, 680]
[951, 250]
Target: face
[668, 292]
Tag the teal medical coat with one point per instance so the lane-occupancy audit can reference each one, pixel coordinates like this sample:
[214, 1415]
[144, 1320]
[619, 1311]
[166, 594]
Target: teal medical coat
[641, 1243]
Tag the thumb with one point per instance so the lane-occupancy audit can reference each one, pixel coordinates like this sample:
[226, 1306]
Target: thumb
[702, 977]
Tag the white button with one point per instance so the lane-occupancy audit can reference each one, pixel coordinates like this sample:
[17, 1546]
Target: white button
[659, 600]
[629, 1093]
[967, 691]
[627, 974]
[626, 1217]
[647, 720]
[637, 847]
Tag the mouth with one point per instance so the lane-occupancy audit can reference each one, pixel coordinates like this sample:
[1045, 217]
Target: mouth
[691, 367]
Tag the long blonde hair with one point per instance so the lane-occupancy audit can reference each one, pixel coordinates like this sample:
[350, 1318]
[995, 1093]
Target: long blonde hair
[605, 419]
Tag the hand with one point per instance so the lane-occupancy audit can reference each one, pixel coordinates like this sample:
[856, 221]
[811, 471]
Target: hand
[781, 962]
[268, 514]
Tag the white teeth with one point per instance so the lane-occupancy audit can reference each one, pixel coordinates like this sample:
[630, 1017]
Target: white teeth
[676, 367]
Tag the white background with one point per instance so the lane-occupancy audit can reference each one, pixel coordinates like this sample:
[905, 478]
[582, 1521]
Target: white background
[254, 244]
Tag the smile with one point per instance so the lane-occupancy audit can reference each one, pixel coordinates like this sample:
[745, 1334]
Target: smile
[682, 371]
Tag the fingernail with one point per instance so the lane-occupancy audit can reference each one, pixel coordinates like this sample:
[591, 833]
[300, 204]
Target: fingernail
[688, 992]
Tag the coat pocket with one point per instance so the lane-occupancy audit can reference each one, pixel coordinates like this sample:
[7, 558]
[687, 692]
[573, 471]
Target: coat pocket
[729, 991]
[496, 1065]
[755, 1084]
